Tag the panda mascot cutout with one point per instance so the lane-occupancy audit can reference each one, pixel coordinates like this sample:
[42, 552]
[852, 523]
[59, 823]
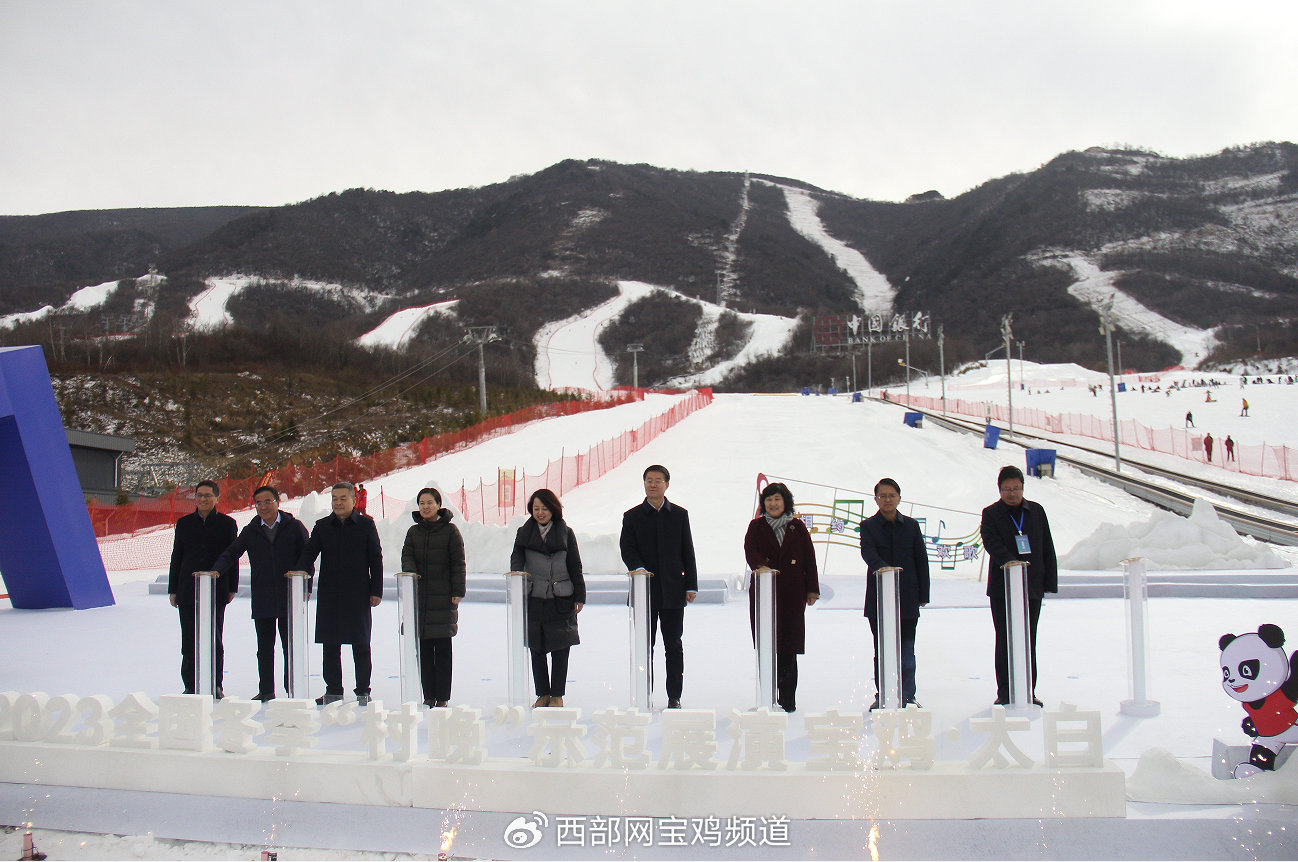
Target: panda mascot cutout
[1256, 672]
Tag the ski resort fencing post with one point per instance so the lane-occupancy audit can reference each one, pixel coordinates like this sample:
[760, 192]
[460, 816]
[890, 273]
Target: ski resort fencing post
[887, 648]
[516, 642]
[411, 681]
[205, 681]
[297, 627]
[1135, 588]
[764, 631]
[1017, 632]
[640, 622]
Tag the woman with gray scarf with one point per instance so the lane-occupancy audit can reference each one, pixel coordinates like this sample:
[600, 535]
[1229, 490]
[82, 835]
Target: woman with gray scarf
[546, 549]
[777, 539]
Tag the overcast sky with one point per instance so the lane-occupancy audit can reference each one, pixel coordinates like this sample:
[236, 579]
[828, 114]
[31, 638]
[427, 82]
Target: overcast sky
[165, 103]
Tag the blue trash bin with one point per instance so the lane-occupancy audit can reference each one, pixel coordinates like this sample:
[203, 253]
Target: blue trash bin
[991, 436]
[856, 397]
[914, 419]
[1041, 462]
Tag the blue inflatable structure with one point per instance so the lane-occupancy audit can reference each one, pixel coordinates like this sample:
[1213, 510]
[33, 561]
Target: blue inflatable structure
[48, 554]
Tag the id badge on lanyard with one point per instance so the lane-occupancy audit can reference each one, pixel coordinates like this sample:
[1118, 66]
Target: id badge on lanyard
[1021, 542]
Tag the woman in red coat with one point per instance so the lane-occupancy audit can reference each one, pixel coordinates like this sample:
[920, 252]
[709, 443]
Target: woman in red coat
[776, 539]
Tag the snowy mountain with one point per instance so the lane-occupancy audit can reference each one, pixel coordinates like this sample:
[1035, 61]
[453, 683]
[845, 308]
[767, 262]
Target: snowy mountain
[1196, 257]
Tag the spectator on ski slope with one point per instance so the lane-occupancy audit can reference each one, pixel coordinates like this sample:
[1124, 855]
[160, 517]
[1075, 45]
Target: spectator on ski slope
[546, 548]
[1014, 528]
[777, 539]
[1244, 410]
[273, 541]
[1207, 447]
[349, 586]
[362, 498]
[889, 538]
[656, 537]
[1230, 448]
[1189, 419]
[200, 538]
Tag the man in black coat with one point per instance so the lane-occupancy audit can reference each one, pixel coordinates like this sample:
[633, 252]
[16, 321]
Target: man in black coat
[656, 537]
[350, 584]
[273, 541]
[1017, 529]
[200, 538]
[889, 538]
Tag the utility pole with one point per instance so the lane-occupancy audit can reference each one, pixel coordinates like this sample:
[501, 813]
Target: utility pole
[941, 365]
[869, 366]
[1107, 329]
[481, 335]
[1009, 365]
[853, 386]
[1023, 383]
[907, 367]
[634, 350]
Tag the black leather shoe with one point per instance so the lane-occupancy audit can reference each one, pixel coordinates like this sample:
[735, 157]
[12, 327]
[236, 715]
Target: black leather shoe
[326, 699]
[674, 703]
[263, 696]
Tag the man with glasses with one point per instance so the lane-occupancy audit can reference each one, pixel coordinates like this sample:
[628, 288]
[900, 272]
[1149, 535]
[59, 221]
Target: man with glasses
[1017, 529]
[656, 537]
[200, 538]
[273, 541]
[889, 538]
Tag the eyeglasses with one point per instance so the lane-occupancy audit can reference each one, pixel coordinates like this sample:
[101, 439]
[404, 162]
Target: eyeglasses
[887, 496]
[204, 496]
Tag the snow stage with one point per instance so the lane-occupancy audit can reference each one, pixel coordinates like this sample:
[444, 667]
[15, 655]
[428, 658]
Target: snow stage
[719, 778]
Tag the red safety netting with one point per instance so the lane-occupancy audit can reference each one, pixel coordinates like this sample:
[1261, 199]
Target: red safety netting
[1274, 462]
[298, 480]
[497, 502]
[149, 547]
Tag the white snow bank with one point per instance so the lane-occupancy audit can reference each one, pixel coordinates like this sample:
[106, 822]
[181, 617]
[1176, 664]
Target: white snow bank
[1168, 541]
[1160, 777]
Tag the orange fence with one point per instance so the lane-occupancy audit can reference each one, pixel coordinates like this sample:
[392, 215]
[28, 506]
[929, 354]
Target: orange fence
[296, 481]
[497, 502]
[1275, 462]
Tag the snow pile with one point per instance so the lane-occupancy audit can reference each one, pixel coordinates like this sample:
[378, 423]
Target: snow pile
[1168, 541]
[1160, 777]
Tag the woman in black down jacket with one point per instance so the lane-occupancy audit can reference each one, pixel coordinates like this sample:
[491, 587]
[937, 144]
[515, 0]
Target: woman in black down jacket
[546, 549]
[434, 550]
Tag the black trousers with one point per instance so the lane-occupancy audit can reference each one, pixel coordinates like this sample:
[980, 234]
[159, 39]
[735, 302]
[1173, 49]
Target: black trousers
[672, 623]
[1002, 644]
[266, 652]
[333, 668]
[551, 681]
[435, 668]
[908, 628]
[189, 650]
[786, 679]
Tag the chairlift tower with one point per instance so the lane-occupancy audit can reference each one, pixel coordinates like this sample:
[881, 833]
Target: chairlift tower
[481, 335]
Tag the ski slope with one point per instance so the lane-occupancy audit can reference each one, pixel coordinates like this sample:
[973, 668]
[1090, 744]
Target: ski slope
[396, 331]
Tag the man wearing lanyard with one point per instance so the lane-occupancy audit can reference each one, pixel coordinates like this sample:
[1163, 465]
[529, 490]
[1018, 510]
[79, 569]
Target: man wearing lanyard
[1017, 529]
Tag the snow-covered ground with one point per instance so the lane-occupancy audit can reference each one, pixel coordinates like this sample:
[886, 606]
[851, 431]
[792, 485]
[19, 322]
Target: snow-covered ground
[1095, 287]
[874, 292]
[569, 355]
[831, 449]
[83, 299]
[207, 310]
[396, 331]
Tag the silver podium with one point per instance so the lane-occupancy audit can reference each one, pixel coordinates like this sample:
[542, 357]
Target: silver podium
[764, 634]
[1135, 588]
[412, 689]
[887, 646]
[516, 641]
[641, 658]
[298, 670]
[1018, 646]
[205, 607]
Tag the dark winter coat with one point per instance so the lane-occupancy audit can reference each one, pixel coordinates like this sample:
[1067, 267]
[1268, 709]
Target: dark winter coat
[998, 532]
[197, 544]
[267, 563]
[351, 571]
[897, 543]
[660, 542]
[555, 563]
[796, 561]
[434, 550]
